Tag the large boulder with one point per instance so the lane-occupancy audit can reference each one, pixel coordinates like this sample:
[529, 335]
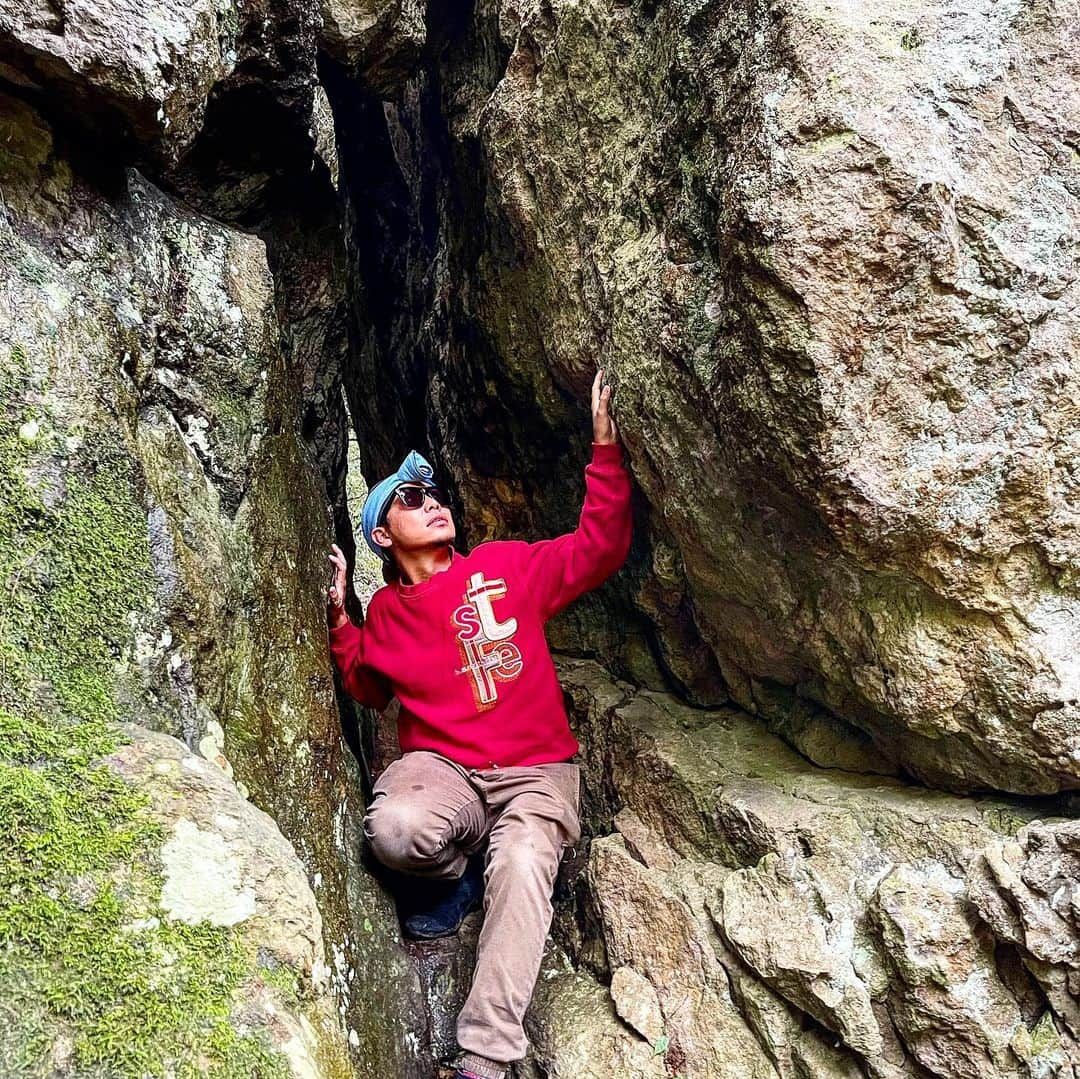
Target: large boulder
[825, 255]
[153, 919]
[819, 250]
[144, 74]
[162, 547]
[224, 862]
[779, 916]
[378, 41]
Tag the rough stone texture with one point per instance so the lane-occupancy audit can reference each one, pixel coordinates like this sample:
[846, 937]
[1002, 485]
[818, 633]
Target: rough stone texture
[158, 78]
[379, 42]
[772, 916]
[815, 921]
[637, 1004]
[153, 64]
[1027, 889]
[951, 1009]
[445, 967]
[145, 340]
[827, 254]
[824, 252]
[649, 927]
[575, 1030]
[225, 862]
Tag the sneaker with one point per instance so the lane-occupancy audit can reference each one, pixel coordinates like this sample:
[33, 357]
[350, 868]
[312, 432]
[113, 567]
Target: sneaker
[464, 1073]
[437, 908]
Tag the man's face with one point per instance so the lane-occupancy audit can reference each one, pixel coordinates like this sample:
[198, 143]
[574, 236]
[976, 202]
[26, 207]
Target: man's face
[410, 530]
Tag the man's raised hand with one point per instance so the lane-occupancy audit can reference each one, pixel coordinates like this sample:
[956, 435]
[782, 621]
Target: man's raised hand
[335, 594]
[603, 426]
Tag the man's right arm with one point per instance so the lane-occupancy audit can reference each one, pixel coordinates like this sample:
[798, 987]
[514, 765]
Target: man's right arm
[362, 682]
[559, 570]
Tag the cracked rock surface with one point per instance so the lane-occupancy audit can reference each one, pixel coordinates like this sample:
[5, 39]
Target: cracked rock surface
[794, 920]
[828, 708]
[827, 254]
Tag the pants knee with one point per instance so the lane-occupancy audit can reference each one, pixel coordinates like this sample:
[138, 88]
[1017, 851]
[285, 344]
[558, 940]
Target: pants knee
[401, 836]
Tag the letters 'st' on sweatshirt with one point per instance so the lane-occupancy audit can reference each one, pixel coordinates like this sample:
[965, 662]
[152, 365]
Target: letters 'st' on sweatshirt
[465, 652]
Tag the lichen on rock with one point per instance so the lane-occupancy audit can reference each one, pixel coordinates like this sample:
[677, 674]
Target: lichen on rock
[143, 364]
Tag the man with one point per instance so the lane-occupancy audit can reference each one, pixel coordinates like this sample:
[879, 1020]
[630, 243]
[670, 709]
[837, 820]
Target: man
[488, 755]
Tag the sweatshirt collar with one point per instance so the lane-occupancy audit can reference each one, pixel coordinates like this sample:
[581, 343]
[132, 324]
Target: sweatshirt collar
[414, 591]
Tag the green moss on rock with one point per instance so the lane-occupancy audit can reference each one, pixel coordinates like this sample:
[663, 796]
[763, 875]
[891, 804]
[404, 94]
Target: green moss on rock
[92, 973]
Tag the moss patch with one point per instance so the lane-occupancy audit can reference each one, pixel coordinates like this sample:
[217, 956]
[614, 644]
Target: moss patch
[284, 979]
[92, 973]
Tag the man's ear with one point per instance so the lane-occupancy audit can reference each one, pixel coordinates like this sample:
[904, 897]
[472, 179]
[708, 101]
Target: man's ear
[381, 536]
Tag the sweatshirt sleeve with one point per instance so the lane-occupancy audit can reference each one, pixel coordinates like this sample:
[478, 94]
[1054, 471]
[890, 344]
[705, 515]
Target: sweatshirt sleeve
[559, 570]
[361, 681]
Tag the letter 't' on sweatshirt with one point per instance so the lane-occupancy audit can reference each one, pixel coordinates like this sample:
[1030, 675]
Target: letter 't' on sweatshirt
[464, 651]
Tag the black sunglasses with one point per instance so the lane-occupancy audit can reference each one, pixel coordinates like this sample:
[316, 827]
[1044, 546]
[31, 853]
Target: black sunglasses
[412, 498]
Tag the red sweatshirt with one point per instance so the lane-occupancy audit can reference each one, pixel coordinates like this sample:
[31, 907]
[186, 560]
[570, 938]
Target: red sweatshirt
[465, 652]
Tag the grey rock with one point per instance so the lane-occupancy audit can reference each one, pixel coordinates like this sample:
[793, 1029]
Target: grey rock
[831, 915]
[825, 257]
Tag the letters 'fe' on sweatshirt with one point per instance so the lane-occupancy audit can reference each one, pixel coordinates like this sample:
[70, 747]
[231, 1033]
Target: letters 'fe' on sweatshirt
[464, 651]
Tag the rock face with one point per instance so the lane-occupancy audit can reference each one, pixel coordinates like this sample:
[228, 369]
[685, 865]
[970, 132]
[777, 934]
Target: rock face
[225, 863]
[152, 66]
[161, 542]
[380, 43]
[217, 94]
[201, 949]
[777, 918]
[827, 256]
[1025, 888]
[250, 252]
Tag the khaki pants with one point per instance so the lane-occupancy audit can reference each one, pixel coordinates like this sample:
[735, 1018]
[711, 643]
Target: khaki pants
[428, 813]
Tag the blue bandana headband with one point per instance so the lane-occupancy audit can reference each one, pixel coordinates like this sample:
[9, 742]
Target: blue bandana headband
[414, 469]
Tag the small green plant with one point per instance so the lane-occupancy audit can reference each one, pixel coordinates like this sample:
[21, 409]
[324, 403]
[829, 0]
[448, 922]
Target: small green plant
[912, 39]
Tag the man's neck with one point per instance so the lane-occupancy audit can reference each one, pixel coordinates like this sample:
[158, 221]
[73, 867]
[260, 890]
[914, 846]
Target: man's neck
[423, 565]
